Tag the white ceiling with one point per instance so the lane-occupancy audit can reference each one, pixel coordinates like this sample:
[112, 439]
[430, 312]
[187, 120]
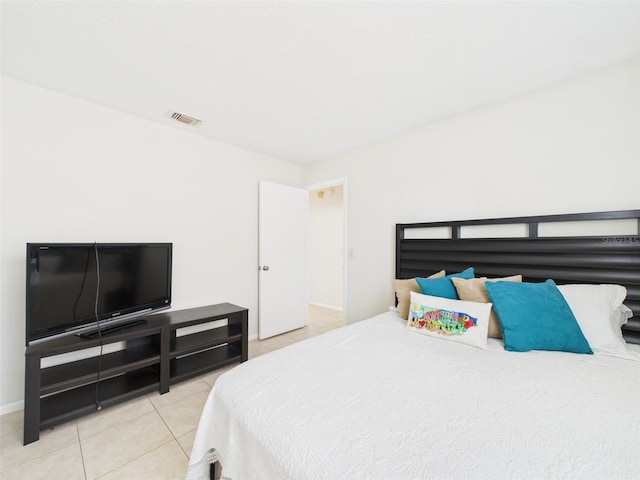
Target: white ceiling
[307, 80]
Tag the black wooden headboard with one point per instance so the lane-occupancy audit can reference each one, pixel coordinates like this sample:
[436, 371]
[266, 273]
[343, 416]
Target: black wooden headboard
[521, 245]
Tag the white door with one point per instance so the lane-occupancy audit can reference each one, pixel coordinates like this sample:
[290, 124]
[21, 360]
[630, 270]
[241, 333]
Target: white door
[283, 257]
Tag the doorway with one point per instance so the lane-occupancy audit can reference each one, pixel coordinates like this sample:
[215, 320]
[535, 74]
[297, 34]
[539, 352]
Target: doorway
[327, 259]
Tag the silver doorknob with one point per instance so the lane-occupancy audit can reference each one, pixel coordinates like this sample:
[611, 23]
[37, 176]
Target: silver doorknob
[265, 268]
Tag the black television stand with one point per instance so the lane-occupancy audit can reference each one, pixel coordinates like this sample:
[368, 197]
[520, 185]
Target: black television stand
[109, 330]
[158, 352]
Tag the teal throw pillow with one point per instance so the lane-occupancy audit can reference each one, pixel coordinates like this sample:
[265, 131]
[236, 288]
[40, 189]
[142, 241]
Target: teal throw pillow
[443, 287]
[535, 316]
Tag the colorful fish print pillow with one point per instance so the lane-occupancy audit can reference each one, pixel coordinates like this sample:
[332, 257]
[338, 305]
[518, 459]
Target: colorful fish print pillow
[447, 319]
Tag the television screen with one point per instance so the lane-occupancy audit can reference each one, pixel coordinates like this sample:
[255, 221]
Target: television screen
[69, 285]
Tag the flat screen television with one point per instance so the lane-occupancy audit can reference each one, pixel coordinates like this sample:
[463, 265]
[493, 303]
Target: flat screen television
[73, 288]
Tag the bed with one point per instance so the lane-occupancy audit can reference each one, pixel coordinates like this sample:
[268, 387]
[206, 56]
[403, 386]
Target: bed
[385, 399]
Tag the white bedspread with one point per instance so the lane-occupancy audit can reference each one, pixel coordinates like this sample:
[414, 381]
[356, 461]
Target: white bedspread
[375, 401]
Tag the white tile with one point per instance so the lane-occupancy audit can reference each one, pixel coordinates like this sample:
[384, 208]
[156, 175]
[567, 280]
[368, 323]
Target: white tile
[179, 391]
[321, 322]
[64, 463]
[13, 452]
[107, 418]
[119, 445]
[166, 462]
[186, 441]
[184, 415]
[308, 334]
[211, 377]
[11, 422]
[257, 351]
[324, 328]
[271, 343]
[291, 338]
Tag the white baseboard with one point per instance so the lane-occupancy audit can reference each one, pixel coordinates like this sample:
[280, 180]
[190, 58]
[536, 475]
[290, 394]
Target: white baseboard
[324, 305]
[11, 407]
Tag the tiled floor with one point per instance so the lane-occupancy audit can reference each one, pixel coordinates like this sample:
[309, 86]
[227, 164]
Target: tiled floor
[146, 438]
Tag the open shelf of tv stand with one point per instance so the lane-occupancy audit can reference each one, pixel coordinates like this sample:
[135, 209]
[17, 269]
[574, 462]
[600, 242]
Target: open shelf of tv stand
[158, 353]
[56, 409]
[75, 374]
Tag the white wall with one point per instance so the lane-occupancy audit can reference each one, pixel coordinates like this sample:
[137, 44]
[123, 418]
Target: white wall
[574, 147]
[74, 171]
[326, 234]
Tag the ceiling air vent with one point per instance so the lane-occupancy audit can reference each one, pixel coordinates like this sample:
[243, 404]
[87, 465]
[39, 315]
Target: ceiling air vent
[185, 119]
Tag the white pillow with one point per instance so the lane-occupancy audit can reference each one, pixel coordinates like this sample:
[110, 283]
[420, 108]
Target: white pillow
[454, 320]
[600, 314]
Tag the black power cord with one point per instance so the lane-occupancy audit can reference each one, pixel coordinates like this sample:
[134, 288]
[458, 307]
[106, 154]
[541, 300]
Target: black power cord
[95, 312]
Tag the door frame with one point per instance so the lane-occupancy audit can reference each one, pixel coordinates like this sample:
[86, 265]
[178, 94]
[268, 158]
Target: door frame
[342, 181]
